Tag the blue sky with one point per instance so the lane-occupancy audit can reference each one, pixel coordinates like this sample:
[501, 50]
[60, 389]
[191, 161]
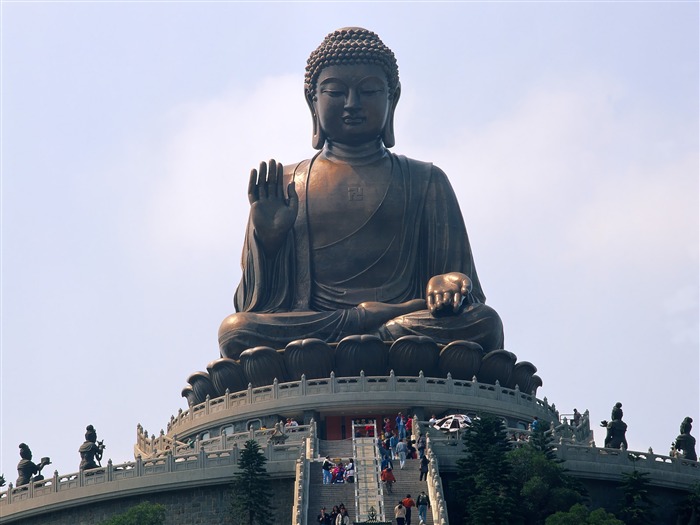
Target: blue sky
[569, 132]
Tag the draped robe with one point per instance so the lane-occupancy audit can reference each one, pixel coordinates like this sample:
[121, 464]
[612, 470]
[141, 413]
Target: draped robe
[307, 290]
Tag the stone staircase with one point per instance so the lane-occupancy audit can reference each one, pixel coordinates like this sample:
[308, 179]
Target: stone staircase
[407, 482]
[321, 495]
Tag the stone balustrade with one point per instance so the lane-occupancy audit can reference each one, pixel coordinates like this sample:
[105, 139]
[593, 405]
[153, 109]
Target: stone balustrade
[164, 444]
[592, 462]
[208, 456]
[333, 391]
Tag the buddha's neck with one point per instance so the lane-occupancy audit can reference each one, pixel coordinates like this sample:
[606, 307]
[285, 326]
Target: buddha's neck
[356, 155]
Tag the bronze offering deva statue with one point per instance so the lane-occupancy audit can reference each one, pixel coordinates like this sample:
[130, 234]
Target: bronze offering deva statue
[91, 450]
[685, 443]
[27, 470]
[616, 429]
[357, 246]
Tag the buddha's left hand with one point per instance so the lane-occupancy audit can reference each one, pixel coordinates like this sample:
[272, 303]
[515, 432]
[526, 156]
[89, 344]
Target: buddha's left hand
[446, 292]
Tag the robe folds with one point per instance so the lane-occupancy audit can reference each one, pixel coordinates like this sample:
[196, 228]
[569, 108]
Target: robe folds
[309, 291]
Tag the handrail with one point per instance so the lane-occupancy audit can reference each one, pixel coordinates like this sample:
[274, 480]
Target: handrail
[434, 481]
[202, 457]
[368, 488]
[323, 387]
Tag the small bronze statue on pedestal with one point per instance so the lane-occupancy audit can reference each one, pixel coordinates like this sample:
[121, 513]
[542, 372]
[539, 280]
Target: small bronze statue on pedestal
[91, 450]
[615, 437]
[685, 443]
[27, 470]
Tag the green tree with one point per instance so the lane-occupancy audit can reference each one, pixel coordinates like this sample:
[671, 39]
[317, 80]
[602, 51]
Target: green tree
[543, 485]
[251, 493]
[484, 484]
[689, 508]
[581, 515]
[638, 509]
[145, 513]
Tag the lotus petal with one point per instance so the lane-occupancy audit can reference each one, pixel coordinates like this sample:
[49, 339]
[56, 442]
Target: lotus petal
[411, 354]
[201, 386]
[262, 365]
[461, 359]
[227, 374]
[311, 357]
[522, 376]
[497, 365]
[361, 352]
[188, 394]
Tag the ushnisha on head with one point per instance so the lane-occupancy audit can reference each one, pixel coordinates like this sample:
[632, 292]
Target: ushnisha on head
[352, 46]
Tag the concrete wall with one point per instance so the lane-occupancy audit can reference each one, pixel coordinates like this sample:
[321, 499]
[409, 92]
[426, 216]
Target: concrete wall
[209, 505]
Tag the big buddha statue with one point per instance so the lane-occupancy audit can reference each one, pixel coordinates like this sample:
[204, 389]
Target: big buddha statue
[356, 241]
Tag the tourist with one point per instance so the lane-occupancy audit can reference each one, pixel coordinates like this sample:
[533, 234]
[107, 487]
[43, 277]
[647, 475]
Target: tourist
[387, 426]
[402, 451]
[400, 514]
[408, 502]
[337, 473]
[577, 417]
[535, 424]
[386, 462]
[326, 468]
[342, 518]
[422, 502]
[323, 517]
[393, 442]
[401, 426]
[421, 446]
[409, 426]
[388, 478]
[424, 462]
[334, 514]
[350, 471]
[432, 420]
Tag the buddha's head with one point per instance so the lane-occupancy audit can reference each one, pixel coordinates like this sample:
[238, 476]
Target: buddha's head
[352, 88]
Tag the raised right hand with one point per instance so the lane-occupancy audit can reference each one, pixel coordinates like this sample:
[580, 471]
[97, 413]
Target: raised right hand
[272, 215]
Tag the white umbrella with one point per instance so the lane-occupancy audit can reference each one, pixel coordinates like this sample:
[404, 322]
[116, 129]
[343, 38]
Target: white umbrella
[453, 423]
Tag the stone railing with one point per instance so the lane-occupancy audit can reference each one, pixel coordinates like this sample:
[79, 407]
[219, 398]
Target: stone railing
[311, 391]
[435, 493]
[207, 456]
[591, 462]
[301, 489]
[164, 444]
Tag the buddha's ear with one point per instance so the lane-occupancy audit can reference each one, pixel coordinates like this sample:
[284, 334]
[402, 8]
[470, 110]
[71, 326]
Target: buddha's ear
[388, 136]
[319, 137]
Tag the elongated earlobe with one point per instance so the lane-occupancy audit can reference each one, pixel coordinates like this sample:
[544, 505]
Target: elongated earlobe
[388, 136]
[318, 138]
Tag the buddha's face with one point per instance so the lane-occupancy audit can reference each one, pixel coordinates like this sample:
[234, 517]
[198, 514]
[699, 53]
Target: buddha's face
[352, 103]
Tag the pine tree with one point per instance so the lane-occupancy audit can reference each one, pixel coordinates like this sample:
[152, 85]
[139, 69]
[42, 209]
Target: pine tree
[542, 483]
[689, 508]
[638, 508]
[580, 515]
[485, 484]
[145, 513]
[251, 493]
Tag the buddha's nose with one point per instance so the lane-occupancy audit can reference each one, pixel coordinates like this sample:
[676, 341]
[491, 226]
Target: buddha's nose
[352, 101]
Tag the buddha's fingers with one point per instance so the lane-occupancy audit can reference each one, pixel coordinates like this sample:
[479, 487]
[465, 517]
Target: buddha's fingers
[293, 198]
[457, 301]
[253, 193]
[431, 302]
[279, 190]
[262, 181]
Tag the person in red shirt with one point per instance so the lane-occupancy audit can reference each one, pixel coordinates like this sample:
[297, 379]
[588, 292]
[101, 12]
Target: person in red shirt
[408, 502]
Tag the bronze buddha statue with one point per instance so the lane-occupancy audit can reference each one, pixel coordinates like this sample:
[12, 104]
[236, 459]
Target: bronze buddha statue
[364, 241]
[356, 260]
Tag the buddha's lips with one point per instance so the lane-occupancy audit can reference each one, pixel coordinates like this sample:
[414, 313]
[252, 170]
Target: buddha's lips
[353, 120]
